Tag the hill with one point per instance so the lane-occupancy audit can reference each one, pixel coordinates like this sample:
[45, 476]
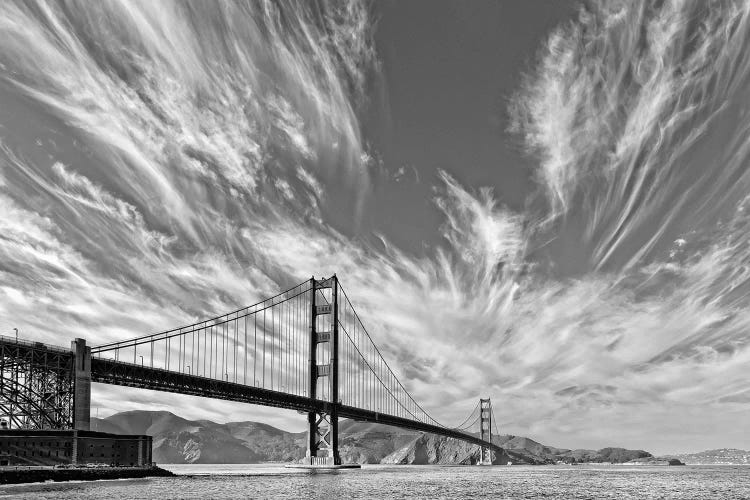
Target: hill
[716, 457]
[177, 440]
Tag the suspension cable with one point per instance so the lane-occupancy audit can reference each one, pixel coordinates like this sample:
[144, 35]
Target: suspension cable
[473, 412]
[217, 320]
[497, 429]
[386, 363]
[381, 382]
[466, 428]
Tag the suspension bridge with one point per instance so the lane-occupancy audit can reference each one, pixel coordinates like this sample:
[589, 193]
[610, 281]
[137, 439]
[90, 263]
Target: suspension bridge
[305, 349]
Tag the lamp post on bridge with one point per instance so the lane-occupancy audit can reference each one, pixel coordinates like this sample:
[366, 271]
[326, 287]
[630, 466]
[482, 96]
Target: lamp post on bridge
[16, 330]
[141, 359]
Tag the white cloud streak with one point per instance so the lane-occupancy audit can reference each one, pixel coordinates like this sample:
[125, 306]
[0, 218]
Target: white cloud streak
[186, 153]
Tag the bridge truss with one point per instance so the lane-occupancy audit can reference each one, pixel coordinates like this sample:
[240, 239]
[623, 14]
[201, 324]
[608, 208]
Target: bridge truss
[36, 385]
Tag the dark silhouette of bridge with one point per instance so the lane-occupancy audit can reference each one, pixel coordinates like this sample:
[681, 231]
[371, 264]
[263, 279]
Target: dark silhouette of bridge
[304, 349]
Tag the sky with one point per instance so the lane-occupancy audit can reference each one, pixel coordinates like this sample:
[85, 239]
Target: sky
[544, 203]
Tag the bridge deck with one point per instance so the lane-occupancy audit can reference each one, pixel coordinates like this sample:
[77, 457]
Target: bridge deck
[109, 371]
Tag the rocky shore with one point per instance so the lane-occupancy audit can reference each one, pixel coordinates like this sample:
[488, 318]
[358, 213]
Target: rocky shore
[17, 475]
[655, 461]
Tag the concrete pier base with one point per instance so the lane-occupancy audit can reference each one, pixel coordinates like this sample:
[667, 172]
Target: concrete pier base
[82, 385]
[323, 467]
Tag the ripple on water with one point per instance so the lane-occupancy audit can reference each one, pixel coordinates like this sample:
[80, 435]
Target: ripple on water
[380, 481]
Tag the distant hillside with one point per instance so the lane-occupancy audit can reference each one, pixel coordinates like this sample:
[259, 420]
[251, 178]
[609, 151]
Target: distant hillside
[547, 454]
[720, 456]
[177, 440]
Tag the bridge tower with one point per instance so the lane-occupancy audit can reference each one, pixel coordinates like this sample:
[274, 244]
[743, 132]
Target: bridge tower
[323, 427]
[485, 431]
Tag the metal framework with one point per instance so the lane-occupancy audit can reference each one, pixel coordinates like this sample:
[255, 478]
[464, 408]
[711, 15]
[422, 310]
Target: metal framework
[36, 388]
[322, 426]
[485, 431]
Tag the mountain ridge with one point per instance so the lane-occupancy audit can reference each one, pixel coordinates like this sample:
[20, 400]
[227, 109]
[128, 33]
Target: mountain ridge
[718, 456]
[179, 440]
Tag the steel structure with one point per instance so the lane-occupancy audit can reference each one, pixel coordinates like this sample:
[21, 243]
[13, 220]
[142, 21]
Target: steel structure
[485, 431]
[304, 349]
[322, 425]
[36, 388]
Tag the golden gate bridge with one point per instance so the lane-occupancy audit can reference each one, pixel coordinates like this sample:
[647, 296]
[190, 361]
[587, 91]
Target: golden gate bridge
[304, 349]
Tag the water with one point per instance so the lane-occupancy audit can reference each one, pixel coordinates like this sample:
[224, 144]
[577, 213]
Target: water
[382, 481]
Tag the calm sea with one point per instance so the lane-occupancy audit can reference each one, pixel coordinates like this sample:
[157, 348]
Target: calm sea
[381, 481]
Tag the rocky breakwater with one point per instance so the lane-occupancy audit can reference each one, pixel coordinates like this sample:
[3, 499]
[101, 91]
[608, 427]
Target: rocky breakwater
[18, 475]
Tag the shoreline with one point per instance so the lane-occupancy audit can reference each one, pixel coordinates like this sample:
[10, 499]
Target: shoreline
[42, 475]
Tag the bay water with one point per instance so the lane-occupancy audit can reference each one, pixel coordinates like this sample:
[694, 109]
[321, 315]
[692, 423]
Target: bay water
[387, 481]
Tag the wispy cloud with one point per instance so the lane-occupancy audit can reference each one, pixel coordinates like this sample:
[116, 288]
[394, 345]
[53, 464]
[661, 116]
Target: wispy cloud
[188, 152]
[629, 113]
[619, 111]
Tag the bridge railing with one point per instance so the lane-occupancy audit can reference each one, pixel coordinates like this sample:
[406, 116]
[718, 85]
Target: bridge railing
[36, 345]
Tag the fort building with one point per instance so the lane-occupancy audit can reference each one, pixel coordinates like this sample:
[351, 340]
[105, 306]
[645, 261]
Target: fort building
[75, 447]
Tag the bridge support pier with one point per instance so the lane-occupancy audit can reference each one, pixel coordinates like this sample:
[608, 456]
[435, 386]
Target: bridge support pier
[323, 427]
[81, 385]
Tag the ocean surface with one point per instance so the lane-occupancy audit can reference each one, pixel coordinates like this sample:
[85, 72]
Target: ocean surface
[382, 481]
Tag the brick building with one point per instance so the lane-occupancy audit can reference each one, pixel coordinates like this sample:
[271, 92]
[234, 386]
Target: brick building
[55, 447]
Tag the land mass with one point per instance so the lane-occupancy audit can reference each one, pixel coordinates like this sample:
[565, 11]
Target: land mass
[178, 440]
[721, 456]
[18, 475]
